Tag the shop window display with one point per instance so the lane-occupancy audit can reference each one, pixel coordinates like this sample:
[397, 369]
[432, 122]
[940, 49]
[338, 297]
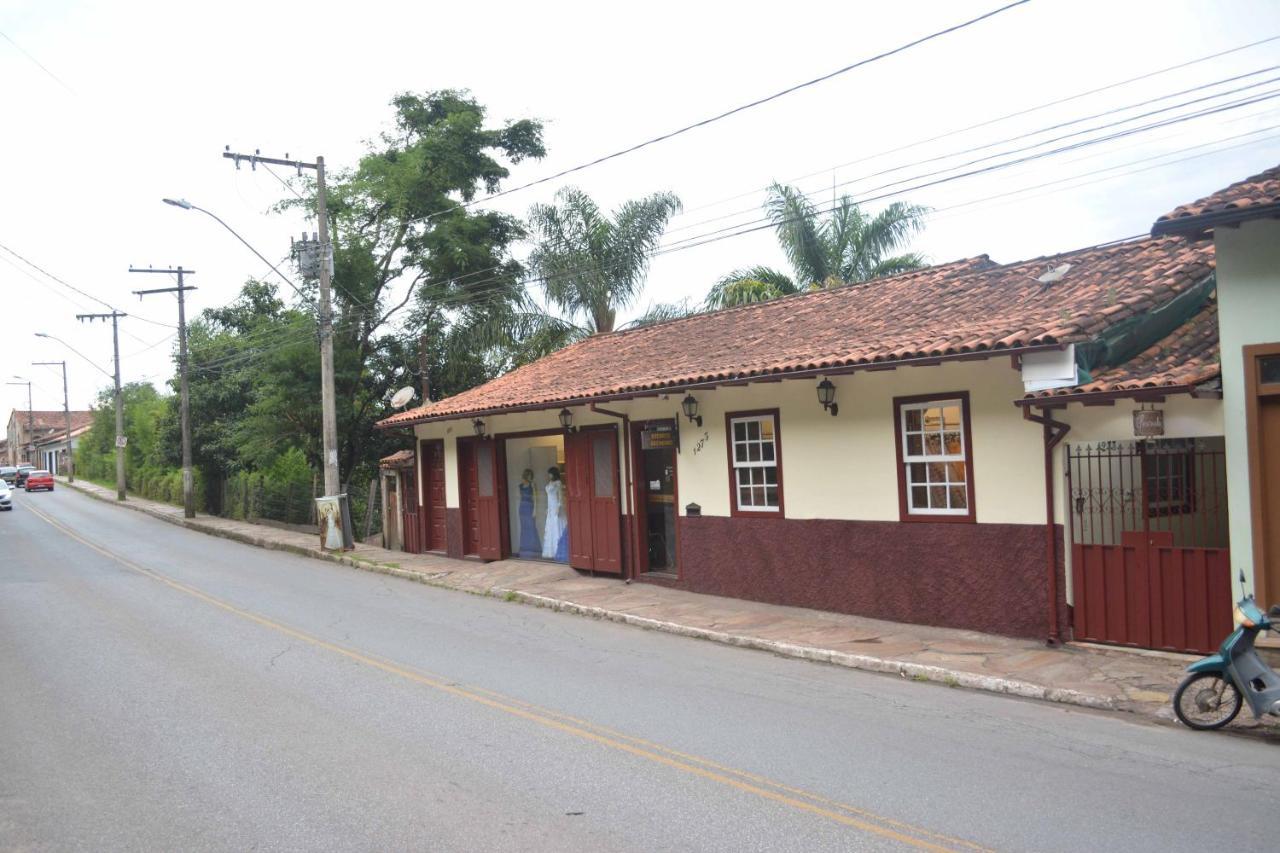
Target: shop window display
[538, 513]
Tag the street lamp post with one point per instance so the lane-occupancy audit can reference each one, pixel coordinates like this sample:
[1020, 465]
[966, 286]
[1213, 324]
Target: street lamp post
[66, 415]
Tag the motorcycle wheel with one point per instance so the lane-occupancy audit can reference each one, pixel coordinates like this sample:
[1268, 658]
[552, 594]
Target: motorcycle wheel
[1206, 701]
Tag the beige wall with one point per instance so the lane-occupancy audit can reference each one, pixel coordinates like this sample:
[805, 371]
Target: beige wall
[1248, 313]
[840, 467]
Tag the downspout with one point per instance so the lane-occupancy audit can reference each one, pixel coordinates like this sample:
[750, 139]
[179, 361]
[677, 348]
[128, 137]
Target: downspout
[631, 498]
[1054, 432]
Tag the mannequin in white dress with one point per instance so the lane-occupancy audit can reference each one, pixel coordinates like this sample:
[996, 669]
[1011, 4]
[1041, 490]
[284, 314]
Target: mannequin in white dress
[556, 525]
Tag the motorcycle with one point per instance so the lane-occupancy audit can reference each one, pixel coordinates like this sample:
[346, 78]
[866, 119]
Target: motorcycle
[1211, 696]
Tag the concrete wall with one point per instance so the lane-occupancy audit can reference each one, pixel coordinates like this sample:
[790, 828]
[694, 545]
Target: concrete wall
[1248, 313]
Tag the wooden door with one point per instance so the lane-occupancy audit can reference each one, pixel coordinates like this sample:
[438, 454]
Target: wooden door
[434, 535]
[1269, 512]
[410, 525]
[578, 487]
[606, 505]
[1262, 428]
[488, 503]
[392, 523]
[469, 497]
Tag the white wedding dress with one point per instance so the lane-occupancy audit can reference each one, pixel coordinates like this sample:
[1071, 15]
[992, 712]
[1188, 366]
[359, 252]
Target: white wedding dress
[556, 523]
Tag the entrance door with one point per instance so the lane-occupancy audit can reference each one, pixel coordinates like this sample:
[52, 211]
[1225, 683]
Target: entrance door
[410, 523]
[1262, 385]
[434, 536]
[657, 490]
[489, 528]
[469, 496]
[593, 501]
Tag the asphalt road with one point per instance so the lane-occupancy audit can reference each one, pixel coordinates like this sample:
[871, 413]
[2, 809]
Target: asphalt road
[165, 690]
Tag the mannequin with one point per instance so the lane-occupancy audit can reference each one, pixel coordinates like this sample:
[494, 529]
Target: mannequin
[529, 544]
[555, 535]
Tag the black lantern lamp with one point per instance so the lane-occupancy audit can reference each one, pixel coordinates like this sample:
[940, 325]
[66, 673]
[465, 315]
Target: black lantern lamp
[827, 396]
[689, 405]
[566, 419]
[478, 426]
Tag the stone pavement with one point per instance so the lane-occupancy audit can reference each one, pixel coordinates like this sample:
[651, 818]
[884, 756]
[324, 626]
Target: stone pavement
[1090, 676]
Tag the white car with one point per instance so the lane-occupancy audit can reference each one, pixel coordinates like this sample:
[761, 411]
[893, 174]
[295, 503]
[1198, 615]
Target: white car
[6, 496]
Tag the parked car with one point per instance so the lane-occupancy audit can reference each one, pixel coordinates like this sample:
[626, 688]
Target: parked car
[38, 479]
[9, 473]
[23, 471]
[6, 496]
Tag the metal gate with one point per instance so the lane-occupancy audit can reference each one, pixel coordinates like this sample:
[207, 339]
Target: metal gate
[1149, 559]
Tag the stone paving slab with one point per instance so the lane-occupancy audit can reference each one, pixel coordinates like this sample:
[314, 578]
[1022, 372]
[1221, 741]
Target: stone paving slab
[1101, 678]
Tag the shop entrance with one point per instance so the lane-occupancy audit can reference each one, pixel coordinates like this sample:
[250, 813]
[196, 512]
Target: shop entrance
[657, 494]
[478, 483]
[594, 500]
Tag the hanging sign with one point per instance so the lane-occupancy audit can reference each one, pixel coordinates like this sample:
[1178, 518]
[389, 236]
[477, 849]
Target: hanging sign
[1148, 423]
[658, 437]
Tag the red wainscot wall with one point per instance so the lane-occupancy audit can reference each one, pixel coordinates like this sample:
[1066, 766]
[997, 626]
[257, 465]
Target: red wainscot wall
[453, 531]
[981, 577]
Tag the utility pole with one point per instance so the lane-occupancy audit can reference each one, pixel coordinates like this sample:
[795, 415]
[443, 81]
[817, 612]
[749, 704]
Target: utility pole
[30, 447]
[328, 406]
[114, 317]
[188, 497]
[66, 415]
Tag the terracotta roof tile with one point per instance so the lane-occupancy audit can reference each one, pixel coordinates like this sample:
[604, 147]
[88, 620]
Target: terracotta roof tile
[1255, 196]
[399, 459]
[1185, 358]
[968, 306]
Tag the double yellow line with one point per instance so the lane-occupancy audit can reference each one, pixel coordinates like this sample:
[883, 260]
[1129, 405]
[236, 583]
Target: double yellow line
[693, 765]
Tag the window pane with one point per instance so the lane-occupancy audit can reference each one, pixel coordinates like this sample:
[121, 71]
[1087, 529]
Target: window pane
[484, 468]
[913, 420]
[757, 496]
[956, 472]
[766, 428]
[951, 417]
[919, 497]
[915, 445]
[1269, 369]
[753, 452]
[916, 471]
[740, 452]
[771, 476]
[744, 497]
[959, 497]
[933, 443]
[937, 472]
[771, 495]
[766, 452]
[753, 430]
[933, 419]
[952, 443]
[602, 465]
[937, 497]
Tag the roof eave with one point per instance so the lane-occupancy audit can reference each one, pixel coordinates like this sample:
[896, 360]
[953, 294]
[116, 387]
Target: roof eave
[1198, 226]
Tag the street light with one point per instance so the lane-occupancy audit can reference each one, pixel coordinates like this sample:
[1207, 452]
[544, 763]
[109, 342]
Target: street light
[96, 366]
[183, 204]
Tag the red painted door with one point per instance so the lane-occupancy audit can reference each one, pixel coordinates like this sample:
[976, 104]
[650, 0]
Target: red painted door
[578, 487]
[469, 497]
[432, 512]
[606, 505]
[488, 505]
[409, 524]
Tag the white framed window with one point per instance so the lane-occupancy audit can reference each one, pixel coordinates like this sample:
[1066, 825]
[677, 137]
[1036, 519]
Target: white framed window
[937, 473]
[755, 462]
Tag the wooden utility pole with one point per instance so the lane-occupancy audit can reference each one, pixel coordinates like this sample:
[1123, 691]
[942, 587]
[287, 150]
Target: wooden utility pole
[66, 415]
[114, 317]
[188, 496]
[328, 405]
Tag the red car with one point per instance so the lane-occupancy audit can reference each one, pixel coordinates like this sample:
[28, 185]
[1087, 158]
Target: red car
[39, 480]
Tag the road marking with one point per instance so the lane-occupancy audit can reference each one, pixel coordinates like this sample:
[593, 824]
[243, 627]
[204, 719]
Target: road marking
[737, 779]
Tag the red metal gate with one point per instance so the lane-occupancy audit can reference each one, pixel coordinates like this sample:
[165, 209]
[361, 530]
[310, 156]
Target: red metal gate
[1149, 559]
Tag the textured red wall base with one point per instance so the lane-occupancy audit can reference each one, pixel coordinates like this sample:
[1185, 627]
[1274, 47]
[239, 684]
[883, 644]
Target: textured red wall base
[453, 531]
[983, 577]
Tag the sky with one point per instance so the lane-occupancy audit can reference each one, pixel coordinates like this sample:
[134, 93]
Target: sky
[111, 106]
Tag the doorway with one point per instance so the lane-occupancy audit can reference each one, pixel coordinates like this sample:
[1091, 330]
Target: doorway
[1262, 423]
[434, 535]
[657, 496]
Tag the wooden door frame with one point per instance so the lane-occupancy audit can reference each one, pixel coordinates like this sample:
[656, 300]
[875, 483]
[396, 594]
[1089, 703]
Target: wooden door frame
[464, 444]
[1254, 391]
[423, 443]
[639, 524]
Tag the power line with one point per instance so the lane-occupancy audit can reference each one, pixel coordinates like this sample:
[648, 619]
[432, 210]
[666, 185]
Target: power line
[38, 63]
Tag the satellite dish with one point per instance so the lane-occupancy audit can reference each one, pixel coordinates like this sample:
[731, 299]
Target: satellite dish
[1054, 274]
[401, 398]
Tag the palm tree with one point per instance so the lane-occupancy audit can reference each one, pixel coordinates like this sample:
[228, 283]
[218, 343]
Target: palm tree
[590, 265]
[846, 246]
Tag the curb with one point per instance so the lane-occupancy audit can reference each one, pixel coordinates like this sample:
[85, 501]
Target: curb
[905, 669]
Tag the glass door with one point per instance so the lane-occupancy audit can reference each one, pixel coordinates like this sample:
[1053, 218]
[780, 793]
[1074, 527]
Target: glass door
[658, 496]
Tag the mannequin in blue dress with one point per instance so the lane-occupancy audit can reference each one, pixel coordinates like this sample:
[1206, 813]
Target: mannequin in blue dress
[530, 546]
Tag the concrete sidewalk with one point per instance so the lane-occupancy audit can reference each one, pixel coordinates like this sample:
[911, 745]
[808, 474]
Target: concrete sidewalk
[1094, 677]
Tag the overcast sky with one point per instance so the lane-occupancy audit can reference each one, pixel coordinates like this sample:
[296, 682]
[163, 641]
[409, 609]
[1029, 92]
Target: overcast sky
[135, 101]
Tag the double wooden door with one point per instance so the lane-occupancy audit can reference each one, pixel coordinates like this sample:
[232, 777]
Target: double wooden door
[593, 501]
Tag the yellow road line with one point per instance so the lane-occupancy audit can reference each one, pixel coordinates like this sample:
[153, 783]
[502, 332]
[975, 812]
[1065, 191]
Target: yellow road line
[737, 779]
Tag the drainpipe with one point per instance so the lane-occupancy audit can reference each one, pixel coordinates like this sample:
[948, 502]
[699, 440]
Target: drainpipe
[631, 498]
[1054, 432]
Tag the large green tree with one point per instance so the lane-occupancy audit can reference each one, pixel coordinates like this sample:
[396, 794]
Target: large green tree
[843, 246]
[586, 266]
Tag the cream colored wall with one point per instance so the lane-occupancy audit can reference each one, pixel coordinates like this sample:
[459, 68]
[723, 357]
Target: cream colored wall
[842, 467]
[1248, 261]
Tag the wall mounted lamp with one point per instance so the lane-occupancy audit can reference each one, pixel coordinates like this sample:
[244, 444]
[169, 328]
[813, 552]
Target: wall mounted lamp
[689, 405]
[566, 419]
[827, 396]
[478, 426]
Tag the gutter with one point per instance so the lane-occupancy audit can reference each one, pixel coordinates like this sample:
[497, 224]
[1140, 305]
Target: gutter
[711, 384]
[1054, 432]
[1195, 226]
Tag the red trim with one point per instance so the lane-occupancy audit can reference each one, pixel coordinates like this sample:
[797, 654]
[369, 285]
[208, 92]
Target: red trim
[904, 512]
[733, 480]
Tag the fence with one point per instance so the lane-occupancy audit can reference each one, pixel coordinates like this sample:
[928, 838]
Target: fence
[254, 496]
